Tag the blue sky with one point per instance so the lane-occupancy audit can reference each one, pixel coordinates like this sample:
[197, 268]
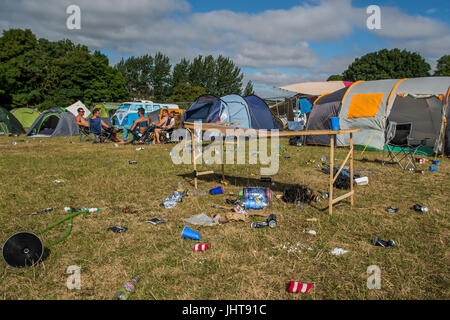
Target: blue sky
[274, 42]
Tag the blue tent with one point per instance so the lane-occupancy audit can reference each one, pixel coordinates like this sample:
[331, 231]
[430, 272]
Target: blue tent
[261, 117]
[206, 108]
[249, 112]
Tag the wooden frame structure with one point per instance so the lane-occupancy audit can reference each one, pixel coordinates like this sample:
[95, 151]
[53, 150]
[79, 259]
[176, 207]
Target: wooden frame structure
[226, 128]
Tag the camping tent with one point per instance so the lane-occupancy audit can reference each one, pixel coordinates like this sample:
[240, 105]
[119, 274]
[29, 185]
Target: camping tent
[9, 123]
[261, 117]
[26, 116]
[249, 112]
[54, 122]
[206, 108]
[316, 88]
[370, 105]
[324, 108]
[107, 110]
[74, 109]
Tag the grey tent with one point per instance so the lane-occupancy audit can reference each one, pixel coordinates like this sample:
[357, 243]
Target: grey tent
[54, 122]
[9, 124]
[369, 105]
[324, 108]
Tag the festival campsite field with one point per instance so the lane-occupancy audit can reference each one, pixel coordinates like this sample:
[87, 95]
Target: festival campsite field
[243, 263]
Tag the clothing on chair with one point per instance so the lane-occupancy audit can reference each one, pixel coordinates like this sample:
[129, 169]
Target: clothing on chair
[96, 125]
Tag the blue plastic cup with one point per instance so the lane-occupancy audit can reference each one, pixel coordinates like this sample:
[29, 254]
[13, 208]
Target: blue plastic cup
[218, 190]
[432, 168]
[334, 123]
[190, 234]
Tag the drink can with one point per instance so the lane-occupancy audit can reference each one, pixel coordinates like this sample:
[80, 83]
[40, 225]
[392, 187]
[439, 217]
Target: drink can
[132, 162]
[421, 160]
[259, 224]
[272, 221]
[420, 208]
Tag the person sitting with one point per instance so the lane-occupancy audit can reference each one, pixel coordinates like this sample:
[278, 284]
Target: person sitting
[166, 123]
[141, 126]
[97, 125]
[80, 119]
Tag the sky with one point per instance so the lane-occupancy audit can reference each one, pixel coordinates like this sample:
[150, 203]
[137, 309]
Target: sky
[274, 42]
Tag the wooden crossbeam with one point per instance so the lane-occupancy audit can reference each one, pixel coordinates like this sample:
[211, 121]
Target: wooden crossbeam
[342, 197]
[342, 165]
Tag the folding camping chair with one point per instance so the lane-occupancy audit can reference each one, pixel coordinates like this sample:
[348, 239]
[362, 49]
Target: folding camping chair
[96, 129]
[400, 146]
[144, 137]
[84, 133]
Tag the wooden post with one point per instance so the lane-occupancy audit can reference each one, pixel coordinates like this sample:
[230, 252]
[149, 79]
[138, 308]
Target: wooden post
[193, 157]
[331, 174]
[351, 168]
[222, 152]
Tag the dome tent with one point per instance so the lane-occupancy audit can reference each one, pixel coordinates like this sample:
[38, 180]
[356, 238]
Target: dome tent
[26, 116]
[9, 123]
[53, 123]
[249, 112]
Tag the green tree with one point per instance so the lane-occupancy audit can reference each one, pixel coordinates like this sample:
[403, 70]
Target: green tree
[443, 66]
[16, 67]
[137, 71]
[335, 77]
[160, 77]
[228, 77]
[50, 74]
[180, 73]
[387, 64]
[184, 94]
[248, 91]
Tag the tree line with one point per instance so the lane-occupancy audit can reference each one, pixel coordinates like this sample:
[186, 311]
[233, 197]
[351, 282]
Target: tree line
[153, 78]
[46, 74]
[392, 64]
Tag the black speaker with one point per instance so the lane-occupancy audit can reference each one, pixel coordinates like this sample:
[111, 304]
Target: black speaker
[23, 249]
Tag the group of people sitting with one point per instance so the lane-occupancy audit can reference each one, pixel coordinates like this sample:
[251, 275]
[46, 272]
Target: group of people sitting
[141, 128]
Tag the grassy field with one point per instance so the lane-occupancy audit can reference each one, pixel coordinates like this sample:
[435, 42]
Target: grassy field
[243, 263]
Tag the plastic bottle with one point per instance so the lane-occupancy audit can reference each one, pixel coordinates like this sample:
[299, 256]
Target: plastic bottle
[128, 288]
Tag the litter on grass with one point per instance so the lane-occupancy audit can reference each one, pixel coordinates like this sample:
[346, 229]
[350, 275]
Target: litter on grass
[338, 251]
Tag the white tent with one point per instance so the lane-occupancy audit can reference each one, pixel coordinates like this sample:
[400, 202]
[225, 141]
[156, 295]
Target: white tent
[74, 109]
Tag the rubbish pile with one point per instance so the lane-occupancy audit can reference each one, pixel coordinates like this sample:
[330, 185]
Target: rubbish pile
[343, 180]
[177, 196]
[300, 194]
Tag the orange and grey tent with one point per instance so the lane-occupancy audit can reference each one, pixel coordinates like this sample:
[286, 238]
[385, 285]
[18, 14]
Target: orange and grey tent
[369, 105]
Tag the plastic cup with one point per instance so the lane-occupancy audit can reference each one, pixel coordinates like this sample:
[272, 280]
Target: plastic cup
[218, 190]
[334, 123]
[190, 234]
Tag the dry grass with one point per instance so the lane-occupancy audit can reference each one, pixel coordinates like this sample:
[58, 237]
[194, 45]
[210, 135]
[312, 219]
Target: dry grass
[243, 263]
